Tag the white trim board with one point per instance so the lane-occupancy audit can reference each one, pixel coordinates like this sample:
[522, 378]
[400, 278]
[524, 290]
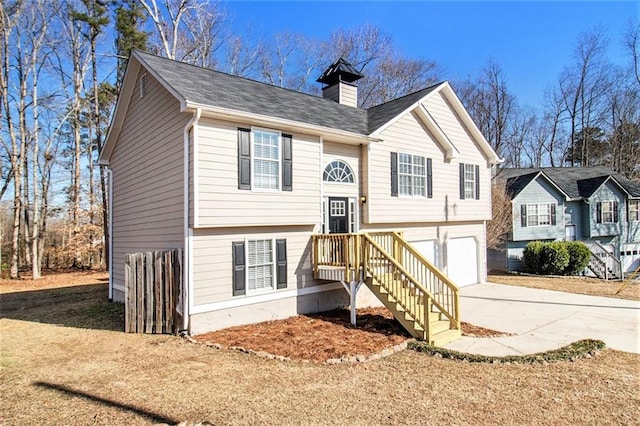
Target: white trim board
[261, 298]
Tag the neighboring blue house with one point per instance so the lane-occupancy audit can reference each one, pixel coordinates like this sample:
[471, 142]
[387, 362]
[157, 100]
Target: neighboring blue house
[591, 204]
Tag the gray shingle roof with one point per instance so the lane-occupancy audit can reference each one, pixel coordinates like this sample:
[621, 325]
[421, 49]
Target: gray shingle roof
[213, 88]
[208, 87]
[381, 114]
[576, 182]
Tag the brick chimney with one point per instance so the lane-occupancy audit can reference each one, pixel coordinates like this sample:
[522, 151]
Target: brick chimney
[339, 79]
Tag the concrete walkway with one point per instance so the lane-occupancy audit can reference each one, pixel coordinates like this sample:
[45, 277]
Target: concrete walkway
[544, 320]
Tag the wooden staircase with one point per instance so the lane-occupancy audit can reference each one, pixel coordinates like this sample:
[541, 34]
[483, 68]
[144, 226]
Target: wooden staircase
[419, 296]
[604, 264]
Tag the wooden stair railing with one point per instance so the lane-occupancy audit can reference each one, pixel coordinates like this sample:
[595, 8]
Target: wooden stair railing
[612, 265]
[598, 267]
[420, 297]
[445, 294]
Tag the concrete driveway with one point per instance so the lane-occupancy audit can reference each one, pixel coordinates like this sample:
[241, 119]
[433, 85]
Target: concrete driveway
[544, 320]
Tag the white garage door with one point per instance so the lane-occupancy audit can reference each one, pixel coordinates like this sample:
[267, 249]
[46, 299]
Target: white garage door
[630, 257]
[428, 249]
[462, 261]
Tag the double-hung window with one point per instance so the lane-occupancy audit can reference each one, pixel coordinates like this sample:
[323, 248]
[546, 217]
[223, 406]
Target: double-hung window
[634, 210]
[469, 181]
[265, 160]
[538, 215]
[259, 265]
[412, 174]
[608, 212]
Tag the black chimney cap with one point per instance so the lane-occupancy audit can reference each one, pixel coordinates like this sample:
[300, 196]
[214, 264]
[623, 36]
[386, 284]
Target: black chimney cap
[340, 70]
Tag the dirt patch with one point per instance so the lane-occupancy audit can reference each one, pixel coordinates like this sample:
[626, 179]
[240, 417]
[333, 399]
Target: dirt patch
[74, 299]
[579, 285]
[319, 337]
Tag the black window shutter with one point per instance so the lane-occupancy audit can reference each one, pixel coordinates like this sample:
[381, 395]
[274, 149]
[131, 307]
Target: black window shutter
[429, 178]
[598, 212]
[244, 159]
[287, 163]
[553, 214]
[239, 268]
[477, 182]
[615, 212]
[523, 215]
[462, 181]
[394, 174]
[281, 263]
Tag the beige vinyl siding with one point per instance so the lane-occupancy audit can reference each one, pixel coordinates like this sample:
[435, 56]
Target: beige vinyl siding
[348, 95]
[408, 135]
[350, 154]
[148, 172]
[331, 92]
[221, 203]
[212, 257]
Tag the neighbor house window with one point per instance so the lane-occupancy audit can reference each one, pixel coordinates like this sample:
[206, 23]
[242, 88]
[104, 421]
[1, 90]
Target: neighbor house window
[469, 181]
[259, 265]
[608, 212]
[265, 160]
[538, 215]
[634, 210]
[412, 174]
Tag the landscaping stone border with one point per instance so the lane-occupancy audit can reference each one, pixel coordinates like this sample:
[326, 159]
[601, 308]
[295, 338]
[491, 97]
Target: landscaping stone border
[586, 348]
[343, 360]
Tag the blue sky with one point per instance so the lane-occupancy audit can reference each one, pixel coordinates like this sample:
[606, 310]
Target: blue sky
[532, 41]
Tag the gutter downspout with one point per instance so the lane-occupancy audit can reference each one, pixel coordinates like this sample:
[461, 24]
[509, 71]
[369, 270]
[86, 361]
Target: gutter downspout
[186, 284]
[110, 228]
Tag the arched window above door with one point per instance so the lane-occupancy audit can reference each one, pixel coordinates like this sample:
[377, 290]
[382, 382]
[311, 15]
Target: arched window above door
[339, 172]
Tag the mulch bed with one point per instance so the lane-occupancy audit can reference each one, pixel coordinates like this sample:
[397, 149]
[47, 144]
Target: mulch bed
[323, 336]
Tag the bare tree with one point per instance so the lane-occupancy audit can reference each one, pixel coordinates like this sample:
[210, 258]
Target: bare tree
[187, 31]
[583, 87]
[491, 104]
[395, 76]
[501, 219]
[11, 15]
[631, 43]
[293, 61]
[243, 56]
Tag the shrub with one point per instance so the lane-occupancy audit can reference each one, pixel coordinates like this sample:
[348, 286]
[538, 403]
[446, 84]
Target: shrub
[531, 256]
[557, 257]
[554, 258]
[579, 256]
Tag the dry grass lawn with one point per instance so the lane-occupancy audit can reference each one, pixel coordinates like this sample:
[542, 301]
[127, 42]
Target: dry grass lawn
[580, 285]
[62, 361]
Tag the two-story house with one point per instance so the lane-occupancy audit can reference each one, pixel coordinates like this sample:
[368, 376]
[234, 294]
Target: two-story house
[591, 204]
[240, 175]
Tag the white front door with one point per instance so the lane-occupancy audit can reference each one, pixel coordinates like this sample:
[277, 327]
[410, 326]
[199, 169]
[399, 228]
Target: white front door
[462, 261]
[570, 233]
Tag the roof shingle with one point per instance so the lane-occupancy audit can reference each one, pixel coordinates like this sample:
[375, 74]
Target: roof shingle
[576, 182]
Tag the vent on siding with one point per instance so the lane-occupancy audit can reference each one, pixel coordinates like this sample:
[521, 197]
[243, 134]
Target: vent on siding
[143, 85]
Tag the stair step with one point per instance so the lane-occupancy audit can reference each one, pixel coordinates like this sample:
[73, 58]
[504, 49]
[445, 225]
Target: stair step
[439, 325]
[444, 337]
